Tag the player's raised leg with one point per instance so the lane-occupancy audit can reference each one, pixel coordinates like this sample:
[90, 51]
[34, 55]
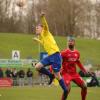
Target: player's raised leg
[40, 67]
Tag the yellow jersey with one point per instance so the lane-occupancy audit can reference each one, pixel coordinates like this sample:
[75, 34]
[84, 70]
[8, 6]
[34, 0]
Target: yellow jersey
[46, 39]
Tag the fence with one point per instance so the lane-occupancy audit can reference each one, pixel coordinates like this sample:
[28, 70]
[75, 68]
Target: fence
[23, 63]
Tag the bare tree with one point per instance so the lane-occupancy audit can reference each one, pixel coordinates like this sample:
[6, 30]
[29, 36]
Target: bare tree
[80, 17]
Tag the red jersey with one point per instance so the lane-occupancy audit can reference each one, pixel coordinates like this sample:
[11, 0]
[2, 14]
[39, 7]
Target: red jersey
[70, 60]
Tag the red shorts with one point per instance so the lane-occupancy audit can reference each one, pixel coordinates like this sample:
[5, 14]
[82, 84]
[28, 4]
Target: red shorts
[73, 77]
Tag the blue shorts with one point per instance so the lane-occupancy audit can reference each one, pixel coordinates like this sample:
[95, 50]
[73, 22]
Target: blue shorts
[54, 60]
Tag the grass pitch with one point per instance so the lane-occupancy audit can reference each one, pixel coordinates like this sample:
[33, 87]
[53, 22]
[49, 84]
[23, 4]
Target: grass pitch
[89, 48]
[45, 93]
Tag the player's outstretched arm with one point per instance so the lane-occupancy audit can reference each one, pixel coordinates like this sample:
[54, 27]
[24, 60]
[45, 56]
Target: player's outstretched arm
[37, 40]
[81, 66]
[83, 69]
[44, 22]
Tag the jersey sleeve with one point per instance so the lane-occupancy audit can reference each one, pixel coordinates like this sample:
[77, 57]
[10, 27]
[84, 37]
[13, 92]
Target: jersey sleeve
[81, 66]
[38, 40]
[78, 55]
[62, 54]
[44, 23]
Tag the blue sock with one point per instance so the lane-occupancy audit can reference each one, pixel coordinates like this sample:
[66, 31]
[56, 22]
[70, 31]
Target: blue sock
[46, 72]
[64, 87]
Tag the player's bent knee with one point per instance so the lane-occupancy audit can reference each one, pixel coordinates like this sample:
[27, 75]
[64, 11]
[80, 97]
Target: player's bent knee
[57, 75]
[84, 87]
[38, 66]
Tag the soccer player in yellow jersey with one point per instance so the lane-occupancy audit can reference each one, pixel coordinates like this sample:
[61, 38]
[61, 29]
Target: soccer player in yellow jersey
[54, 58]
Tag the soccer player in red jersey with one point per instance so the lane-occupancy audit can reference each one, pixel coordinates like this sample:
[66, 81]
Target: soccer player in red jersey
[71, 58]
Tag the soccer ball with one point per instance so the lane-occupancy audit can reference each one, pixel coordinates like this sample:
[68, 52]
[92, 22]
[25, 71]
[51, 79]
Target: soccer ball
[20, 3]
